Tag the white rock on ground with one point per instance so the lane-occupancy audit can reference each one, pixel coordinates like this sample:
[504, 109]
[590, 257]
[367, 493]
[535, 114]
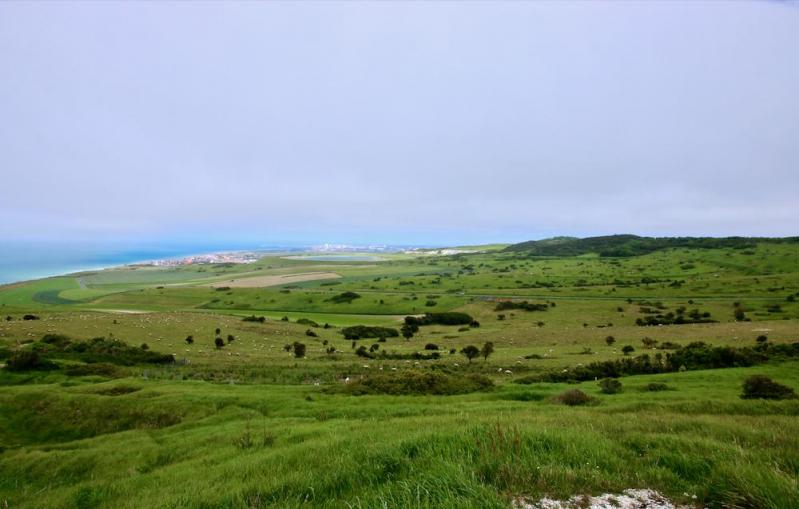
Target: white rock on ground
[629, 499]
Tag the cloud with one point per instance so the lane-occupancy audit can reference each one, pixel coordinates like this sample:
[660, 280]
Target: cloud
[402, 120]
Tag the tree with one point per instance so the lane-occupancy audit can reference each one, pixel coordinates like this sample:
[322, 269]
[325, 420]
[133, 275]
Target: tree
[487, 350]
[219, 342]
[627, 349]
[299, 349]
[470, 352]
[189, 339]
[649, 342]
[610, 340]
[407, 331]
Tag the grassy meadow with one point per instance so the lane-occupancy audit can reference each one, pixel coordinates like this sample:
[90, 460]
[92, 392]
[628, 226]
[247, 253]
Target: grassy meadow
[257, 422]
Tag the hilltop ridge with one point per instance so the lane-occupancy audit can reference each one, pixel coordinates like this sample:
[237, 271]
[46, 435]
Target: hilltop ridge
[624, 245]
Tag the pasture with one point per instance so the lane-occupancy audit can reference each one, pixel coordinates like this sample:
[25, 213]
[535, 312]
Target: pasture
[255, 422]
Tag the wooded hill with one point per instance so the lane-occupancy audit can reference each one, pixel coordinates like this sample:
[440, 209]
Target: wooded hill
[633, 245]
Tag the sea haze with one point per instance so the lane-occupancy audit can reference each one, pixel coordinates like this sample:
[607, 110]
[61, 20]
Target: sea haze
[20, 261]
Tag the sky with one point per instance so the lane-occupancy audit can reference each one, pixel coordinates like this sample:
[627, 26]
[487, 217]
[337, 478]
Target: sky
[397, 122]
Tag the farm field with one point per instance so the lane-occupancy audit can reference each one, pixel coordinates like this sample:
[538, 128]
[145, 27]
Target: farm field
[273, 396]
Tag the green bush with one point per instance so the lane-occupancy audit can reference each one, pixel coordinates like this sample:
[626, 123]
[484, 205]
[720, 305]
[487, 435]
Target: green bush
[415, 382]
[448, 318]
[609, 386]
[763, 387]
[365, 331]
[573, 397]
[694, 356]
[343, 298]
[253, 318]
[523, 305]
[98, 369]
[656, 387]
[25, 360]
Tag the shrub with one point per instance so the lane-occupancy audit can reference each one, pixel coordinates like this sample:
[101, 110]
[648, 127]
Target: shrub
[98, 369]
[627, 349]
[189, 339]
[448, 318]
[762, 338]
[57, 340]
[365, 331]
[610, 340]
[105, 350]
[311, 333]
[231, 338]
[346, 297]
[414, 382]
[609, 386]
[523, 305]
[253, 318]
[30, 317]
[145, 346]
[25, 360]
[307, 321]
[656, 387]
[362, 351]
[219, 342]
[763, 387]
[694, 356]
[573, 397]
[299, 349]
[431, 346]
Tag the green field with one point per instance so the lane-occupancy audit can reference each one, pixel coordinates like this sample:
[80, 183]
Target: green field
[251, 424]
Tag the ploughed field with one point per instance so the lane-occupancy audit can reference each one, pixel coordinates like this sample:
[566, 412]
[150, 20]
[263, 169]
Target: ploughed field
[220, 386]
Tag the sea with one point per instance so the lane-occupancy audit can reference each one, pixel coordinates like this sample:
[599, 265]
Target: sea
[22, 261]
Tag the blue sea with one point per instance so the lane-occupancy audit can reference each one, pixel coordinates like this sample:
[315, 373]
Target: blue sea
[21, 261]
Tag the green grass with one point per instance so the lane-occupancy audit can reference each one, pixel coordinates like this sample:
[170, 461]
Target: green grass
[249, 425]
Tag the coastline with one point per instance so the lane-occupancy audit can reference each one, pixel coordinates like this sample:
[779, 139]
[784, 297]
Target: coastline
[22, 272]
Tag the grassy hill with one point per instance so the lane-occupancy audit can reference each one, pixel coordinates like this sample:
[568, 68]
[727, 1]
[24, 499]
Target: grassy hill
[260, 422]
[633, 245]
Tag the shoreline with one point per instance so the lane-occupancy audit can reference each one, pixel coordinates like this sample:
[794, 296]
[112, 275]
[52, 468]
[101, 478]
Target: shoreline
[78, 269]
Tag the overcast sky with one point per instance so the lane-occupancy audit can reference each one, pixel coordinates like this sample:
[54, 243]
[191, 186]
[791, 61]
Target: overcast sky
[407, 122]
